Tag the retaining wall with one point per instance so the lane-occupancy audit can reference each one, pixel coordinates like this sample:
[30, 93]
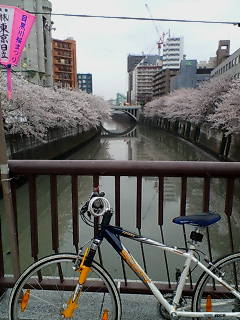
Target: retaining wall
[215, 142]
[58, 143]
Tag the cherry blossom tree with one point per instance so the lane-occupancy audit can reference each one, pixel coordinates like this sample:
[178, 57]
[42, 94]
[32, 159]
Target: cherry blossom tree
[193, 105]
[227, 113]
[36, 109]
[206, 97]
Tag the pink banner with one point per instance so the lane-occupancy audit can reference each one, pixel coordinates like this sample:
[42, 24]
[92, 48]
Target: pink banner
[15, 26]
[22, 25]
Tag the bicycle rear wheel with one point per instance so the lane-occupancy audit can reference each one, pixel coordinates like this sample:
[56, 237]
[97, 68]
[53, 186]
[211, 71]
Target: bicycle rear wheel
[211, 296]
[46, 287]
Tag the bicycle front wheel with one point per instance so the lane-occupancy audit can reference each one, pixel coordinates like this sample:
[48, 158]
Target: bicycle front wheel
[211, 295]
[44, 290]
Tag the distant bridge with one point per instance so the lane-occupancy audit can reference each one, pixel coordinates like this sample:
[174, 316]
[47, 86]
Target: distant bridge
[132, 111]
[129, 132]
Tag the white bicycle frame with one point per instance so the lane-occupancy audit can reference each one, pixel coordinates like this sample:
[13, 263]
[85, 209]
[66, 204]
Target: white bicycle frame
[172, 308]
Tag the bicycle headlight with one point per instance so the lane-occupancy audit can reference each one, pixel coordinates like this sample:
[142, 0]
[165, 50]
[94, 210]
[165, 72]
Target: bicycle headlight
[98, 206]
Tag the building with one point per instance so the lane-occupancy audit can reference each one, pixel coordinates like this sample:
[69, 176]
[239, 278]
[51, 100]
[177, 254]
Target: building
[189, 76]
[172, 53]
[161, 81]
[64, 63]
[223, 51]
[142, 91]
[85, 82]
[36, 59]
[132, 62]
[230, 66]
[210, 64]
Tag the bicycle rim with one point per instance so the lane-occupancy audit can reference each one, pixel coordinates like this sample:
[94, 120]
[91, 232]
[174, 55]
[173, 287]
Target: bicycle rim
[212, 296]
[46, 288]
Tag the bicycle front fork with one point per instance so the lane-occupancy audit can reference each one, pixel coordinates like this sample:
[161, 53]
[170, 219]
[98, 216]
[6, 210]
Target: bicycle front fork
[83, 268]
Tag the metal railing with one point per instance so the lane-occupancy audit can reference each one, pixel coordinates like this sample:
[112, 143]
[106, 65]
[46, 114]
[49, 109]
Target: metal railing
[31, 169]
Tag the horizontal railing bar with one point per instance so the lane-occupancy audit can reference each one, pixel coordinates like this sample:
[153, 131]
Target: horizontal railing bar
[132, 286]
[126, 168]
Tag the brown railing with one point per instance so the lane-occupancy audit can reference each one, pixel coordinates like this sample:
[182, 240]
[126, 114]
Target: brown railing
[229, 174]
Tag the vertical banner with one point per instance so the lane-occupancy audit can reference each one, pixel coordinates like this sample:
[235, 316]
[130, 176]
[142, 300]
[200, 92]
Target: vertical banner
[15, 26]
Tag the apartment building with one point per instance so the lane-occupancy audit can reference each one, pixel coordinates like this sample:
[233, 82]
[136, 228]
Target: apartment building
[142, 91]
[36, 60]
[64, 63]
[161, 81]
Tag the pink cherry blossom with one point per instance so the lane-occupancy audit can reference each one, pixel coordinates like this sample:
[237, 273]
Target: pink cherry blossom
[36, 109]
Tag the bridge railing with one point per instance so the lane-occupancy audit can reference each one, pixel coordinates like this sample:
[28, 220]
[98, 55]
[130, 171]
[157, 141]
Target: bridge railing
[30, 170]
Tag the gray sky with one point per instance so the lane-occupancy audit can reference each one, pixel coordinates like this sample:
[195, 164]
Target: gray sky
[103, 45]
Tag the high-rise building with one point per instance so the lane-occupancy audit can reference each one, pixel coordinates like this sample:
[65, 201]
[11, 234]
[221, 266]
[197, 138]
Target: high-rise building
[36, 59]
[172, 53]
[64, 63]
[143, 73]
[85, 82]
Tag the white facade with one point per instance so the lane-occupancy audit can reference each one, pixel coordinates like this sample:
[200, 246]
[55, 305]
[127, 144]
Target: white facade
[142, 91]
[230, 66]
[36, 59]
[172, 53]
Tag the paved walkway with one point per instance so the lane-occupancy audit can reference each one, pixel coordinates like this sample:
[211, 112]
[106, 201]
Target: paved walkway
[134, 307]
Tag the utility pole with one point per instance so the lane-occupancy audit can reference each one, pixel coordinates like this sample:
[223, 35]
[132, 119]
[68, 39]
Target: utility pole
[7, 197]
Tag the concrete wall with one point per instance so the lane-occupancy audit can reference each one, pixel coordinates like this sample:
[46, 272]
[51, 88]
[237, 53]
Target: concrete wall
[56, 146]
[215, 142]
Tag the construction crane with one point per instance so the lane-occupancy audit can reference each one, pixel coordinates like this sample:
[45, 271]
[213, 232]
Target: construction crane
[160, 35]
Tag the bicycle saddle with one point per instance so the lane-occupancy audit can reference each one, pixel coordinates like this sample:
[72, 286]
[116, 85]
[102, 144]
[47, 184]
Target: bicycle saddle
[200, 220]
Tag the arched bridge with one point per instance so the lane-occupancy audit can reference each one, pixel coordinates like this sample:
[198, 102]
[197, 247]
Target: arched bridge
[132, 111]
[129, 132]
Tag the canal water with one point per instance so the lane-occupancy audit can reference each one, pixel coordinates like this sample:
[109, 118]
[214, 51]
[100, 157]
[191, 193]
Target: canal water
[141, 143]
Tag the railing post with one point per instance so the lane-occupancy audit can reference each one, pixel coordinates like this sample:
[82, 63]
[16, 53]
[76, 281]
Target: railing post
[7, 196]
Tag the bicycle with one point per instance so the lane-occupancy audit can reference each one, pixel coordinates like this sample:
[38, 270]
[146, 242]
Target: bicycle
[75, 286]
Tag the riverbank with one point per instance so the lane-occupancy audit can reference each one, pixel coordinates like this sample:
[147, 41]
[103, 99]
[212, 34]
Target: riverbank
[215, 142]
[58, 144]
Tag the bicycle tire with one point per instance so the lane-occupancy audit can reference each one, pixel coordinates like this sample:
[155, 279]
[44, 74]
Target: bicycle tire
[221, 300]
[47, 296]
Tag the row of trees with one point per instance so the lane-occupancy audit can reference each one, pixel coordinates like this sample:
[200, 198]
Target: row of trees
[215, 102]
[36, 109]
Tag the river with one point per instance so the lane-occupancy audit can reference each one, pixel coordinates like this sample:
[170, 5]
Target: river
[143, 143]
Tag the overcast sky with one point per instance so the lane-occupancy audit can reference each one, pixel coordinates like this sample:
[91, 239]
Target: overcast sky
[103, 45]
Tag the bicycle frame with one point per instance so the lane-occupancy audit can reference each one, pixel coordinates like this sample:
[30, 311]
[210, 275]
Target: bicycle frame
[112, 235]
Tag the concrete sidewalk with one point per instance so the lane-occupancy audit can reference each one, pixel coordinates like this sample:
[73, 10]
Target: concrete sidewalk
[134, 307]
